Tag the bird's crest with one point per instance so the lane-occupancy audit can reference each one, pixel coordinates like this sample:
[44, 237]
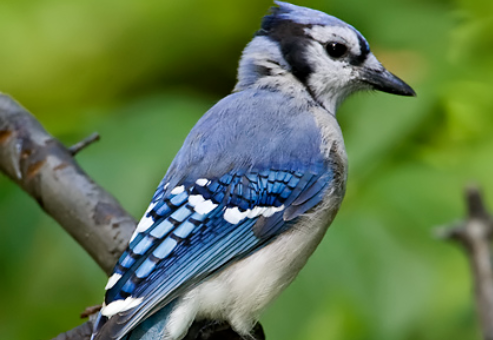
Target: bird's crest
[298, 14]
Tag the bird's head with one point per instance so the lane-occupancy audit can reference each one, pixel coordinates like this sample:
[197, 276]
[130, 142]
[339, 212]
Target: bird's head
[329, 57]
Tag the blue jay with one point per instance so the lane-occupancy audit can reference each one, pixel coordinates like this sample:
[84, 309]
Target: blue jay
[254, 187]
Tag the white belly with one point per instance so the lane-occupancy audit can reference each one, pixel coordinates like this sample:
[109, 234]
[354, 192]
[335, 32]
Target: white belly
[241, 292]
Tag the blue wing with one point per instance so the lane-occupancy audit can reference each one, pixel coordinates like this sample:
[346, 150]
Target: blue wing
[192, 231]
[247, 170]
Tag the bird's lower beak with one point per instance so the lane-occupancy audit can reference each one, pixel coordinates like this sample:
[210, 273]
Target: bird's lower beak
[382, 80]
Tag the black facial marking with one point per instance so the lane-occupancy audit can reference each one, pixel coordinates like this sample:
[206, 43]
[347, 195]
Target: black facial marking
[263, 71]
[294, 53]
[363, 53]
[293, 40]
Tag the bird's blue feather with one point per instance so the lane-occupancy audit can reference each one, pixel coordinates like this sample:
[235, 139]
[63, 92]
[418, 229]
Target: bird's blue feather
[182, 246]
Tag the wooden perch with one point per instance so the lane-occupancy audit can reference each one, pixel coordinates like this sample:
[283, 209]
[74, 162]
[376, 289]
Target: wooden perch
[475, 236]
[47, 171]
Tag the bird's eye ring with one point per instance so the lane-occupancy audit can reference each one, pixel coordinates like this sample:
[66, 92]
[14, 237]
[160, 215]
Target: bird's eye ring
[336, 50]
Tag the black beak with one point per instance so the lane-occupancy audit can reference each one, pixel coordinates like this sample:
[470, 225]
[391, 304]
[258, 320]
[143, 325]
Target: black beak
[383, 80]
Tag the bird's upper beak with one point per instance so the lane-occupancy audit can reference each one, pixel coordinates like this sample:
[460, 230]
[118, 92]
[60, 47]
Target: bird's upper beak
[375, 75]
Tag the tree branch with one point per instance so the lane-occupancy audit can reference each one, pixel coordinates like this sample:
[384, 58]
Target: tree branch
[76, 148]
[47, 171]
[475, 236]
[82, 332]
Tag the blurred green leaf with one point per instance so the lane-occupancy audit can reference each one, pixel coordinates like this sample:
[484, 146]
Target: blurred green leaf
[142, 73]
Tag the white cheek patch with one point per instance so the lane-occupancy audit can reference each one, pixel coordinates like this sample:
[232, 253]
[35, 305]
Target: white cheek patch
[341, 34]
[235, 216]
[119, 306]
[330, 79]
[112, 281]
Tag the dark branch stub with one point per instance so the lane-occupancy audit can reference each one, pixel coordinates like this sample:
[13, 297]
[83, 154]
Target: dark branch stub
[476, 207]
[76, 148]
[90, 311]
[475, 236]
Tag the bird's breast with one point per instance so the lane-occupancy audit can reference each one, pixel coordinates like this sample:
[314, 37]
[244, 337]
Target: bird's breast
[242, 291]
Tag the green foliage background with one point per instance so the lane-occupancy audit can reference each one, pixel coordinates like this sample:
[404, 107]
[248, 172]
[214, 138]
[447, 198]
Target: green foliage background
[142, 72]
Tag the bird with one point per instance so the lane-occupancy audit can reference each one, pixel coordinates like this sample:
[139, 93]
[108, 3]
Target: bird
[253, 189]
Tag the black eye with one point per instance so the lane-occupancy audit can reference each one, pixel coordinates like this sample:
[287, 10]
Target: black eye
[335, 49]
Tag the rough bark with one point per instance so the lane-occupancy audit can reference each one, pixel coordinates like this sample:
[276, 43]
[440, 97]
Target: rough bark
[46, 170]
